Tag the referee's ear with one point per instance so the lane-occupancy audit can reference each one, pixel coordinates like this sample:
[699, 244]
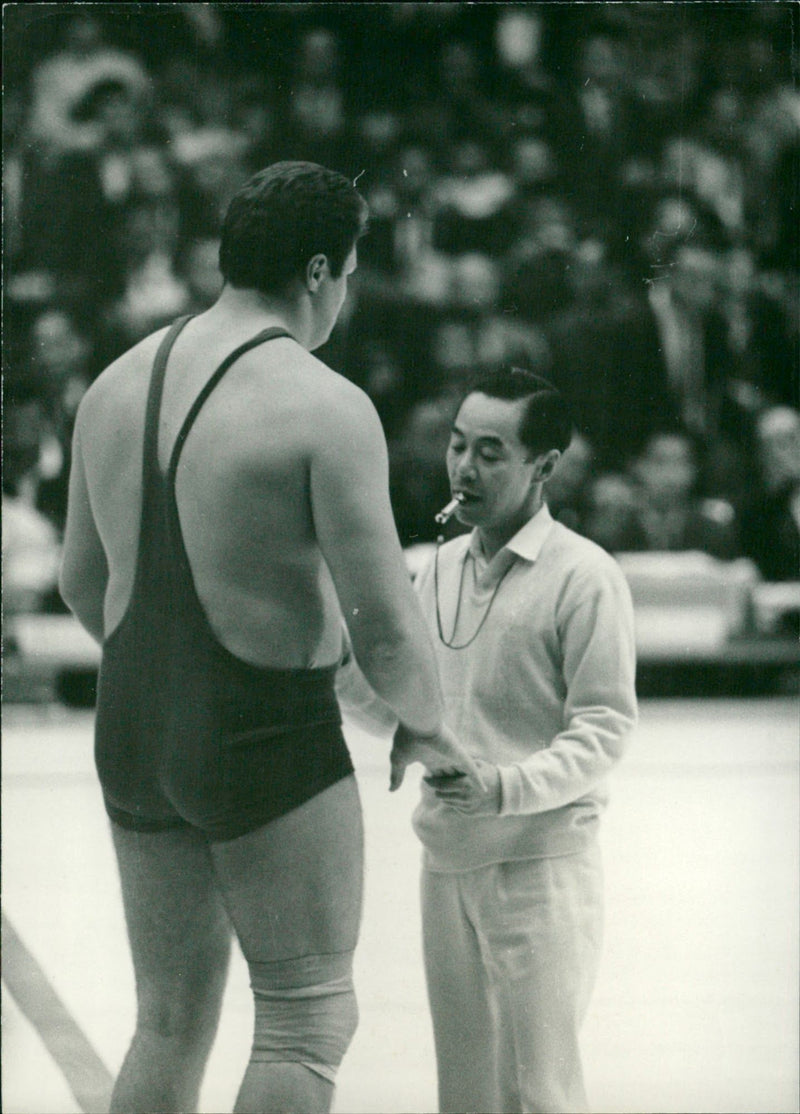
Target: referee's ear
[315, 271]
[545, 465]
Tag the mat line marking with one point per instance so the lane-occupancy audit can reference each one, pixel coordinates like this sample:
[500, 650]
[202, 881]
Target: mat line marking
[86, 1075]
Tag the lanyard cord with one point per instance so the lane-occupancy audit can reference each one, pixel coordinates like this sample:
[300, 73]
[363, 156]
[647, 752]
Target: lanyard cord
[451, 644]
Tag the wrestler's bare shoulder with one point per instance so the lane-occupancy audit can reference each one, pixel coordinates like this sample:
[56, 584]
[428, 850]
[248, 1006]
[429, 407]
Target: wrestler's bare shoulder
[306, 394]
[288, 380]
[331, 393]
[124, 383]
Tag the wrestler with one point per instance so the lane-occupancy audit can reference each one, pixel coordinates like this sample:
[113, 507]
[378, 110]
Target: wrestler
[228, 509]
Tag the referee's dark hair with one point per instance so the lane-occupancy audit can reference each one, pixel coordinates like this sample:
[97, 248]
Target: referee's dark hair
[547, 422]
[282, 217]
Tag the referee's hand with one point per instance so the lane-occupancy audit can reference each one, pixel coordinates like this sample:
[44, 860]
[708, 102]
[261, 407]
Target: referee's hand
[441, 754]
[467, 795]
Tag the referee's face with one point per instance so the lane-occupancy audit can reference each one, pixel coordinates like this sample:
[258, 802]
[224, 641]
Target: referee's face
[490, 467]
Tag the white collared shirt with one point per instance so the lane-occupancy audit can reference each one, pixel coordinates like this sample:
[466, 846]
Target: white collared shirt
[545, 688]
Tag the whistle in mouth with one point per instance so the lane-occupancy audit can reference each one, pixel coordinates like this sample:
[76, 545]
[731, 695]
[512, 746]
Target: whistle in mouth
[446, 513]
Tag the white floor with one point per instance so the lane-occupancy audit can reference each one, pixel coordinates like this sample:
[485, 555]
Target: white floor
[696, 1009]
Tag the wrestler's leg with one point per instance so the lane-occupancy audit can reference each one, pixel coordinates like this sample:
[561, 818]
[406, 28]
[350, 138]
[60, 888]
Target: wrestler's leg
[180, 943]
[294, 891]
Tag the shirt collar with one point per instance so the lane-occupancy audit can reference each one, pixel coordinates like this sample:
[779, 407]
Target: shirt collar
[526, 543]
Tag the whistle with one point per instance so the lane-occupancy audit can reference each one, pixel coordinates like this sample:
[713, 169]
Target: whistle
[446, 513]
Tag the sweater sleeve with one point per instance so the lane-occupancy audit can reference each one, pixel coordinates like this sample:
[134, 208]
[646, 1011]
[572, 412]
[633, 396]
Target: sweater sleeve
[596, 633]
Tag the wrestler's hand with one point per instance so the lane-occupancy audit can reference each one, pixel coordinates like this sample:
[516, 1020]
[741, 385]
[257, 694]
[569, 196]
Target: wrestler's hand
[441, 754]
[483, 797]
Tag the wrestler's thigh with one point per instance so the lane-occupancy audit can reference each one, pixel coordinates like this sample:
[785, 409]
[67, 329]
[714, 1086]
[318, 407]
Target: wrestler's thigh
[294, 886]
[177, 923]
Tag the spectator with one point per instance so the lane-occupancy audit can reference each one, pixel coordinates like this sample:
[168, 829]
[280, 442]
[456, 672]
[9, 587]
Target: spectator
[666, 67]
[715, 178]
[535, 285]
[25, 430]
[94, 188]
[62, 358]
[543, 140]
[612, 514]
[153, 290]
[458, 107]
[415, 186]
[471, 199]
[61, 81]
[381, 376]
[781, 248]
[474, 334]
[198, 267]
[402, 208]
[606, 358]
[671, 514]
[592, 123]
[193, 94]
[523, 85]
[755, 336]
[211, 164]
[31, 557]
[533, 165]
[454, 347]
[771, 523]
[543, 220]
[568, 487]
[418, 479]
[31, 541]
[682, 301]
[62, 362]
[253, 117]
[663, 220]
[317, 127]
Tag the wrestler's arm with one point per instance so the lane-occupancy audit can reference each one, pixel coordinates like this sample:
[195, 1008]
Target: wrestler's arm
[84, 570]
[359, 702]
[358, 538]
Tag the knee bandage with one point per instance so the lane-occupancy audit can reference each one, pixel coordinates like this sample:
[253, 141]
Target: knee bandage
[305, 1011]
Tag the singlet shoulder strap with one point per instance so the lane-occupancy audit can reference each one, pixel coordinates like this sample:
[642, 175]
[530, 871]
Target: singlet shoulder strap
[150, 456]
[272, 333]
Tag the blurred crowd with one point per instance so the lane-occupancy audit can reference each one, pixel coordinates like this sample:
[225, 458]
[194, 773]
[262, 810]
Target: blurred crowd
[603, 193]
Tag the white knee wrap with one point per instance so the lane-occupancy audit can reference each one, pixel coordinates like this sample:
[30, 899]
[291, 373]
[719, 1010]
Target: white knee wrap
[305, 1011]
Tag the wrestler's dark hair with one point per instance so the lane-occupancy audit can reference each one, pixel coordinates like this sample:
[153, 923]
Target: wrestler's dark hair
[281, 217]
[546, 423]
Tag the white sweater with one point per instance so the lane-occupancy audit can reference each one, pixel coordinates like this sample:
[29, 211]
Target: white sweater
[546, 691]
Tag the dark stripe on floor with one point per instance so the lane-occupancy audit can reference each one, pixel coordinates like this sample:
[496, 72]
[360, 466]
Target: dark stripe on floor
[87, 1076]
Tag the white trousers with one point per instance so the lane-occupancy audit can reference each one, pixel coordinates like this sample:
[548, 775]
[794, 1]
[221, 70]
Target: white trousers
[511, 954]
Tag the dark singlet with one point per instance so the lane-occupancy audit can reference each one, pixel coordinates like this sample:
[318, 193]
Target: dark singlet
[186, 732]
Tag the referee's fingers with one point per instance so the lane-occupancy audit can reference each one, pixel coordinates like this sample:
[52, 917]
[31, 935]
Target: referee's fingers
[444, 778]
[451, 795]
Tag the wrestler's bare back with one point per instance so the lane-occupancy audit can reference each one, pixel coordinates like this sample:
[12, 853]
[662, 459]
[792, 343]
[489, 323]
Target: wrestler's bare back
[282, 449]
